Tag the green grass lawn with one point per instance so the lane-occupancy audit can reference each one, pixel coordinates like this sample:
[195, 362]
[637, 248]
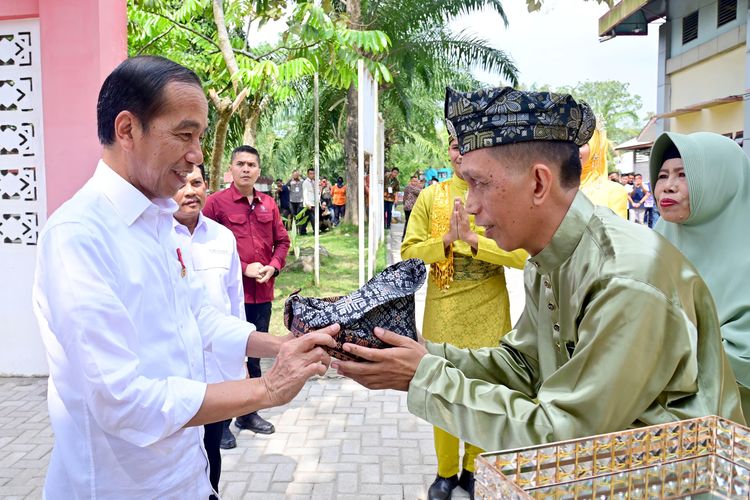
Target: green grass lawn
[339, 272]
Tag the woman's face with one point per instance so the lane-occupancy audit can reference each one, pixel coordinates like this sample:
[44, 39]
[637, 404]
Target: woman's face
[671, 191]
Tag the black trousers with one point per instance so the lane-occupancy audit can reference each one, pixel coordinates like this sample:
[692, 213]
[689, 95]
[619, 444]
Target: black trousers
[211, 439]
[338, 213]
[260, 316]
[407, 214]
[388, 205]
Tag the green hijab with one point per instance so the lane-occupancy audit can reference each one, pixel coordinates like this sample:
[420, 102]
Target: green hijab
[716, 234]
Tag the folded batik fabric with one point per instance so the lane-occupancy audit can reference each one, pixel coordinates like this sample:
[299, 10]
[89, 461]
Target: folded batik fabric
[387, 301]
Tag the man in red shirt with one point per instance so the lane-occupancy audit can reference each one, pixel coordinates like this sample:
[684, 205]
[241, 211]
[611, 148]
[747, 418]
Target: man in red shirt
[262, 243]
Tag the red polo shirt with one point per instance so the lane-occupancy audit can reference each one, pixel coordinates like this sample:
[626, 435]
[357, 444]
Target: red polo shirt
[261, 236]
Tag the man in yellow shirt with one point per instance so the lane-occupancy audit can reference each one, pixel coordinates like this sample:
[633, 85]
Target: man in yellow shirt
[467, 302]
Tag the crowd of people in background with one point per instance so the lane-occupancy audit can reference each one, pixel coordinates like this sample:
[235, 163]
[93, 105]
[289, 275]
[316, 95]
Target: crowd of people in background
[296, 197]
[641, 206]
[296, 200]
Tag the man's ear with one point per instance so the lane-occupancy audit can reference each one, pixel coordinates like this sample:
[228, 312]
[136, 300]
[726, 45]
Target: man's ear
[543, 178]
[126, 124]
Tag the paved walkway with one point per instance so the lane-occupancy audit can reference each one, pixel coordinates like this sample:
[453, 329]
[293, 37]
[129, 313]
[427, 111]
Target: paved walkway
[336, 440]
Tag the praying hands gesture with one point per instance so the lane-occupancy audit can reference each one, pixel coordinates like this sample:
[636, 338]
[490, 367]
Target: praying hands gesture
[460, 229]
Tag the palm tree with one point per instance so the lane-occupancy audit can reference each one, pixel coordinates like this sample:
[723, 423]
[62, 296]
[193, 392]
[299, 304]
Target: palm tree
[424, 51]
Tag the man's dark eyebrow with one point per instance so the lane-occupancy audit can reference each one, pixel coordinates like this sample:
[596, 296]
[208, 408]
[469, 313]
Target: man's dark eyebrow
[189, 124]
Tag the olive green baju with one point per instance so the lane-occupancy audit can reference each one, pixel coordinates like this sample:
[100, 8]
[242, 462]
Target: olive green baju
[619, 331]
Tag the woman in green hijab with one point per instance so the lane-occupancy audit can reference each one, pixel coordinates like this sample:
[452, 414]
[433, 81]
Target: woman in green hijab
[702, 187]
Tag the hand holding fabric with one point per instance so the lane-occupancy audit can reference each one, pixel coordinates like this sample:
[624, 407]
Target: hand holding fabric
[298, 360]
[390, 368]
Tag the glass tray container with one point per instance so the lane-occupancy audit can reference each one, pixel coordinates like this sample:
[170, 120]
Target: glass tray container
[700, 458]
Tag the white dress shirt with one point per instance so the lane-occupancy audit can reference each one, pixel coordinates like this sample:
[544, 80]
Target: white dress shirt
[211, 251]
[125, 333]
[308, 192]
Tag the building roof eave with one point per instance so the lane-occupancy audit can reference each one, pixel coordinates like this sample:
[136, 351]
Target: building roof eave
[630, 17]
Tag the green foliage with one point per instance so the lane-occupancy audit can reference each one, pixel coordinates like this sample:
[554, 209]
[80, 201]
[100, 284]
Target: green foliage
[617, 110]
[315, 41]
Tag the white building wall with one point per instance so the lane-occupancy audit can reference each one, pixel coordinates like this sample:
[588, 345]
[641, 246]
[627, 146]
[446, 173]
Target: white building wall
[22, 194]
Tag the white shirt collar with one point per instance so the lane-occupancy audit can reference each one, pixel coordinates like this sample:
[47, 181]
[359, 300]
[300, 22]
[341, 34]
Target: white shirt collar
[128, 202]
[200, 226]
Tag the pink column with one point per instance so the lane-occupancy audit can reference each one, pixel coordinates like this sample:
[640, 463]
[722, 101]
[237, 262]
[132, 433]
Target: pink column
[82, 41]
[57, 53]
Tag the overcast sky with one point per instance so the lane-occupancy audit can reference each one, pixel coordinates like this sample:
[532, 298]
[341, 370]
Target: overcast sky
[559, 45]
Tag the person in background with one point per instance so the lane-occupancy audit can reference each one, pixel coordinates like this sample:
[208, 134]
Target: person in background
[391, 189]
[702, 188]
[325, 191]
[281, 196]
[308, 201]
[411, 192]
[295, 193]
[467, 301]
[262, 242]
[210, 250]
[338, 195]
[614, 177]
[637, 197]
[326, 219]
[594, 183]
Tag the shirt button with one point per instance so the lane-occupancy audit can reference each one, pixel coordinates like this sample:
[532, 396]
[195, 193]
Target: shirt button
[547, 284]
[551, 306]
[558, 346]
[556, 327]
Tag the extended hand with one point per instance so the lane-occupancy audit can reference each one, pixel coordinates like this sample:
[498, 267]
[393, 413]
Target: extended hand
[265, 273]
[390, 368]
[298, 360]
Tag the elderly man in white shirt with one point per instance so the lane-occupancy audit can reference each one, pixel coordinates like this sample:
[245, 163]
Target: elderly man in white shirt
[126, 323]
[210, 250]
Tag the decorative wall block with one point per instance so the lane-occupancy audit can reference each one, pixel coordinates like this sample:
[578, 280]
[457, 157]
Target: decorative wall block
[17, 95]
[19, 229]
[18, 184]
[15, 48]
[22, 192]
[17, 139]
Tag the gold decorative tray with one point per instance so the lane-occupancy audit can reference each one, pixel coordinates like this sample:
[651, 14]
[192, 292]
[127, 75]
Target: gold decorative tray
[707, 457]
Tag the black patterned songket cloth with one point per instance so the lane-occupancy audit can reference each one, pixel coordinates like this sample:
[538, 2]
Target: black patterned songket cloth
[504, 115]
[387, 301]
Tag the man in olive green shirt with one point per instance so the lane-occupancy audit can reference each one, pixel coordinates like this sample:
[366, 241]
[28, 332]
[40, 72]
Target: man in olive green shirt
[578, 362]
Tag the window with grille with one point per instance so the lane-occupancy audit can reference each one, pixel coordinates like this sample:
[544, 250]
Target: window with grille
[690, 27]
[727, 12]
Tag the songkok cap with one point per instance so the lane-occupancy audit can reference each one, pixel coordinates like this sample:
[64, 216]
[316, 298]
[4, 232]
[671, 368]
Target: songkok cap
[504, 115]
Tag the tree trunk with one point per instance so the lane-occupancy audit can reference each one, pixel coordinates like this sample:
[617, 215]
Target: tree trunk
[224, 43]
[215, 175]
[354, 11]
[351, 158]
[250, 118]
